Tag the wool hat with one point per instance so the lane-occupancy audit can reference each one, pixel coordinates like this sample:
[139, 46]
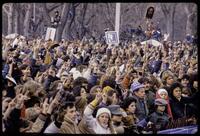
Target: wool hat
[160, 101]
[162, 90]
[135, 86]
[103, 110]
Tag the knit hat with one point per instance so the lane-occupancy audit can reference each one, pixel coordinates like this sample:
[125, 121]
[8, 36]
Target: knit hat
[162, 90]
[135, 86]
[103, 110]
[160, 102]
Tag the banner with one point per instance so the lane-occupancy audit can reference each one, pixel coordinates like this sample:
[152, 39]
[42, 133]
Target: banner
[182, 130]
[50, 34]
[112, 37]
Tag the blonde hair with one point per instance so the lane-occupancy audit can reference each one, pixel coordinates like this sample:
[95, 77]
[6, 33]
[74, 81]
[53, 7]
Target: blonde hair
[32, 87]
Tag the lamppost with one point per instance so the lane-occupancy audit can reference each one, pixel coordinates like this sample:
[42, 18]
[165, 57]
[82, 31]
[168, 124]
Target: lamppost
[117, 18]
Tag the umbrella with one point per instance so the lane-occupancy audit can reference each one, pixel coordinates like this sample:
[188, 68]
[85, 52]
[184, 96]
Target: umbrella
[11, 36]
[152, 42]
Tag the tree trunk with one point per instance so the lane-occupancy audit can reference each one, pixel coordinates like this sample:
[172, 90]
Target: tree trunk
[10, 24]
[64, 18]
[173, 14]
[26, 20]
[16, 19]
[69, 30]
[191, 25]
[169, 11]
[9, 11]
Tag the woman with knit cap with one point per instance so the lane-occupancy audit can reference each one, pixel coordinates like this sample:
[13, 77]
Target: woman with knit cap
[163, 94]
[102, 123]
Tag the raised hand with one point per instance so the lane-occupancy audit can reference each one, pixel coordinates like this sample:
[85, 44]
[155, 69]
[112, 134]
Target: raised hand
[45, 106]
[98, 97]
[54, 103]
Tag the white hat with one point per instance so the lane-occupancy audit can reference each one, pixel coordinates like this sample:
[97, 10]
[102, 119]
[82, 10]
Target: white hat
[103, 110]
[11, 79]
[162, 90]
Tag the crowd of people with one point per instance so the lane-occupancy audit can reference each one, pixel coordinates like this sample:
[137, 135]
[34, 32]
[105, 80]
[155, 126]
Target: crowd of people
[76, 87]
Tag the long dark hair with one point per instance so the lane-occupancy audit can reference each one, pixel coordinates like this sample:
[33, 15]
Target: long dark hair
[172, 87]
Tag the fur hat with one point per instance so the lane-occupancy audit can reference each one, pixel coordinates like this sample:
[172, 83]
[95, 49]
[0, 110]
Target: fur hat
[103, 110]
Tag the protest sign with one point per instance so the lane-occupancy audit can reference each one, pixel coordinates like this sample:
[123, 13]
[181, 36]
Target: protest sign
[50, 34]
[112, 37]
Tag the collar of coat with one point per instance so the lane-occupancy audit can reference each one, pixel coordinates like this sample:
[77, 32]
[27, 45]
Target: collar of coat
[68, 120]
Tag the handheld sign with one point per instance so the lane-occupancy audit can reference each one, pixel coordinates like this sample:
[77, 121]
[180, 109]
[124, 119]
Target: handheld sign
[150, 12]
[112, 37]
[51, 32]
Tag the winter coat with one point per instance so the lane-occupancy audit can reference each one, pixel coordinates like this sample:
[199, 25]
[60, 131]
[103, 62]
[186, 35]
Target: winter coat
[159, 119]
[69, 127]
[83, 127]
[178, 107]
[52, 128]
[38, 124]
[141, 108]
[93, 123]
[12, 123]
[150, 97]
[168, 110]
[10, 92]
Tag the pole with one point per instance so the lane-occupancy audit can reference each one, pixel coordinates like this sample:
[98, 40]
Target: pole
[117, 18]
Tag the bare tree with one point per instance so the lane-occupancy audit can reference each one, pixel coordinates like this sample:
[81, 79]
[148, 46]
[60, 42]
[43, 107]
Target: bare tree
[9, 9]
[169, 12]
[16, 17]
[27, 19]
[64, 18]
[191, 12]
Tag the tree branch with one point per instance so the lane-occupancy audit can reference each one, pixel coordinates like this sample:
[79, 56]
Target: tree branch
[6, 10]
[53, 7]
